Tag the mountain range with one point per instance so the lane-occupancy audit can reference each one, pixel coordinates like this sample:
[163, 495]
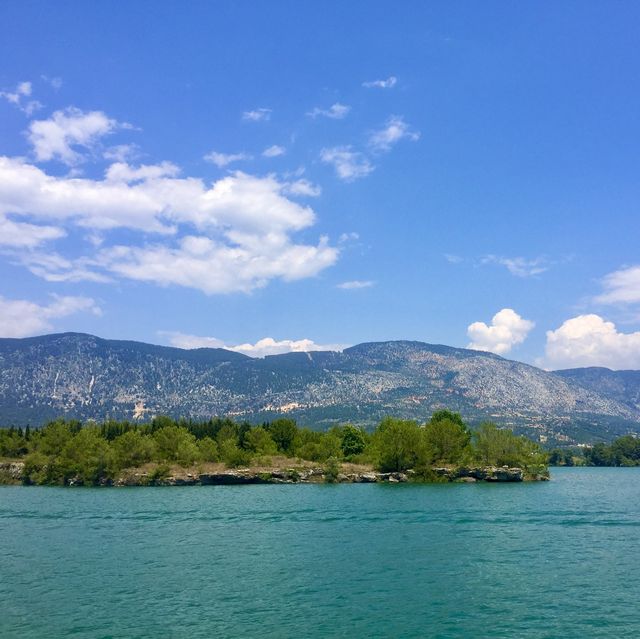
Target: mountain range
[86, 377]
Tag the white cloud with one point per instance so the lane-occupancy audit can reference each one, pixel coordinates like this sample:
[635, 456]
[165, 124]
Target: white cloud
[394, 130]
[19, 97]
[589, 340]
[453, 259]
[25, 235]
[507, 329]
[235, 235]
[54, 82]
[356, 284]
[389, 83]
[122, 172]
[621, 287]
[122, 153]
[265, 346]
[349, 165]
[349, 237]
[257, 115]
[302, 187]
[223, 159]
[336, 111]
[21, 318]
[212, 267]
[519, 266]
[274, 151]
[56, 137]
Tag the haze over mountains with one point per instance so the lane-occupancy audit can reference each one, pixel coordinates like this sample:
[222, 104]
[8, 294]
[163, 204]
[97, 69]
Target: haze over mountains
[83, 376]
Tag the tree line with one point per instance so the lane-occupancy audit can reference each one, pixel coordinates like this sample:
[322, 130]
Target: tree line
[95, 453]
[623, 451]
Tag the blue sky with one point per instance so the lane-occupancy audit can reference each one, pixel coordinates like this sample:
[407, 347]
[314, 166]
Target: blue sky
[324, 174]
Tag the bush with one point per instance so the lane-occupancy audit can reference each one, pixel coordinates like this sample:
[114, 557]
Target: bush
[331, 470]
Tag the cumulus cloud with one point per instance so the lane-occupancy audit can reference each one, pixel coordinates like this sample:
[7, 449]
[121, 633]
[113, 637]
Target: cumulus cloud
[589, 340]
[621, 287]
[274, 151]
[336, 111]
[19, 97]
[223, 159]
[394, 130]
[389, 83]
[507, 329]
[60, 136]
[235, 235]
[257, 115]
[356, 284]
[519, 266]
[263, 347]
[349, 165]
[21, 318]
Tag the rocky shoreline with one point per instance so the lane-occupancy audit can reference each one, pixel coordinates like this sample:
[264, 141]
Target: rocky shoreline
[13, 473]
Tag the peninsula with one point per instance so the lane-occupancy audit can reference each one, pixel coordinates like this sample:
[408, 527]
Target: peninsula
[222, 451]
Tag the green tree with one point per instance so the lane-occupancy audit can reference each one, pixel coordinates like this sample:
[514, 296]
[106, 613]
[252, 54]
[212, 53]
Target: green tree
[501, 447]
[283, 432]
[259, 441]
[134, 449]
[398, 444]
[353, 441]
[447, 437]
[176, 444]
[86, 457]
[208, 449]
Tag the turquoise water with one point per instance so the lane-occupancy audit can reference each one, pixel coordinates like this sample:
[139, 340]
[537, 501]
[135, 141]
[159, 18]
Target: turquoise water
[556, 559]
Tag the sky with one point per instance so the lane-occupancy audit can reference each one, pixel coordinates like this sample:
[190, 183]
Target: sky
[289, 175]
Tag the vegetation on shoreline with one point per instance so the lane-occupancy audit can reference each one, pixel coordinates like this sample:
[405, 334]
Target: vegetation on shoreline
[67, 451]
[623, 451]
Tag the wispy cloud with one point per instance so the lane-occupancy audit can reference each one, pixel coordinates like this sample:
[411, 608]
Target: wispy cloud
[224, 159]
[348, 237]
[453, 259]
[21, 318]
[257, 115]
[122, 153]
[60, 136]
[389, 83]
[274, 151]
[336, 111]
[19, 97]
[302, 187]
[55, 82]
[519, 266]
[394, 130]
[348, 164]
[356, 284]
[621, 287]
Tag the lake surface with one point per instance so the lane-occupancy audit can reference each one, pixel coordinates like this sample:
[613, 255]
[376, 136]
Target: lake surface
[555, 559]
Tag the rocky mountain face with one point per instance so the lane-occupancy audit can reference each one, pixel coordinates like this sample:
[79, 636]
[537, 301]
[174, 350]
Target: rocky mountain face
[623, 386]
[90, 378]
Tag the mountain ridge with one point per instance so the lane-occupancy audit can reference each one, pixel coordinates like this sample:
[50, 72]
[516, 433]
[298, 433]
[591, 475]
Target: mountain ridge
[85, 376]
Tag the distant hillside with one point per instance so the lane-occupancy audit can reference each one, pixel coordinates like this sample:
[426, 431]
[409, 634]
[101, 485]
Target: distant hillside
[87, 377]
[623, 386]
